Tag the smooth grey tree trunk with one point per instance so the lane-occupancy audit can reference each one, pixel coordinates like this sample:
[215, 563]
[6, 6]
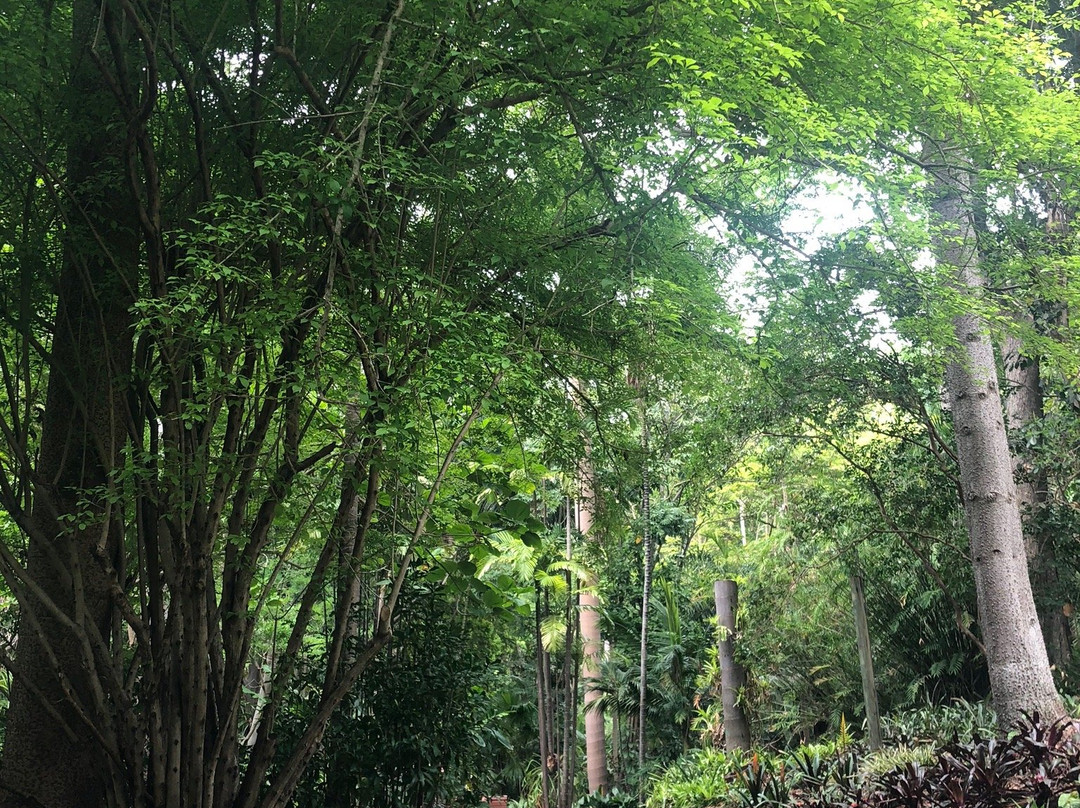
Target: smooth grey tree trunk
[592, 649]
[732, 674]
[1020, 677]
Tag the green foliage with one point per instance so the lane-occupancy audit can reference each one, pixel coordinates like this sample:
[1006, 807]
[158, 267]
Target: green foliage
[421, 726]
[940, 722]
[897, 757]
[698, 779]
[612, 799]
[1037, 764]
[377, 245]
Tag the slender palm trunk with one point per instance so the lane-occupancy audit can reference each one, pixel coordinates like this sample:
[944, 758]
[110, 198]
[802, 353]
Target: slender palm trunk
[592, 649]
[542, 707]
[646, 587]
[732, 674]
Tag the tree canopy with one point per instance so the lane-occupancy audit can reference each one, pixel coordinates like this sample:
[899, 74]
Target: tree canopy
[319, 323]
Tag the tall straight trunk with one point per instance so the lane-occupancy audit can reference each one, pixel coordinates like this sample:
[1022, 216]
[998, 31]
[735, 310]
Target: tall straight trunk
[592, 649]
[617, 772]
[542, 707]
[550, 698]
[57, 731]
[570, 755]
[1023, 407]
[732, 674]
[1020, 677]
[570, 700]
[866, 663]
[646, 587]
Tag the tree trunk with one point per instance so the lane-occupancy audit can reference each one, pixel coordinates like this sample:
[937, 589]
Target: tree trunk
[55, 753]
[592, 649]
[732, 674]
[542, 706]
[866, 663]
[1023, 407]
[646, 587]
[1020, 677]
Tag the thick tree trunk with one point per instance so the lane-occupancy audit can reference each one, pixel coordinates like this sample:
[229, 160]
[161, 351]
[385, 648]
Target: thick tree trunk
[1023, 407]
[1020, 677]
[59, 724]
[732, 674]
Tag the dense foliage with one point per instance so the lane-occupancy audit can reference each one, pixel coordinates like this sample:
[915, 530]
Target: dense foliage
[353, 358]
[1038, 764]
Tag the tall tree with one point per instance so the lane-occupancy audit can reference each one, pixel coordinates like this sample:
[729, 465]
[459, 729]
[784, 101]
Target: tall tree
[1024, 410]
[306, 246]
[58, 710]
[732, 672]
[1020, 675]
[592, 643]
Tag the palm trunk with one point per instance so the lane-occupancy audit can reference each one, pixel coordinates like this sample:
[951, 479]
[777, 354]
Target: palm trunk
[646, 588]
[592, 649]
[592, 644]
[542, 708]
[732, 674]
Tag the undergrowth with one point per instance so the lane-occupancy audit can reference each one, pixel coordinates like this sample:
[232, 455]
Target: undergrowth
[1036, 765]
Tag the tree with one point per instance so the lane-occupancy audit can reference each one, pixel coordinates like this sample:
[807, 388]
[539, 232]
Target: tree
[68, 598]
[736, 728]
[1020, 675]
[592, 644]
[323, 242]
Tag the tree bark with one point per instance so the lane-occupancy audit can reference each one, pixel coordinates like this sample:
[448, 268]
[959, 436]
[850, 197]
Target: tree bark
[866, 663]
[592, 649]
[1023, 407]
[732, 674]
[1020, 677]
[61, 725]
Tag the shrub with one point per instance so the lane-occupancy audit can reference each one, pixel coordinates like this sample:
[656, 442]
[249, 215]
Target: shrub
[699, 779]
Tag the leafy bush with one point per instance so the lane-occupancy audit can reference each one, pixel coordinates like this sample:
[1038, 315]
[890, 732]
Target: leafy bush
[938, 724]
[419, 728]
[613, 799]
[699, 779]
[896, 757]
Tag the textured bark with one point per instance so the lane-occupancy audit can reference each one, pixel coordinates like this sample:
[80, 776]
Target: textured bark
[1024, 406]
[1020, 677]
[56, 753]
[732, 674]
